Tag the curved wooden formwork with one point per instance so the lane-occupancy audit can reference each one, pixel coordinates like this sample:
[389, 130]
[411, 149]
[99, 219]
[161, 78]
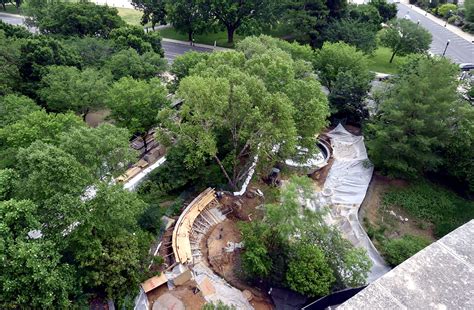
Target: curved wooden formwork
[183, 230]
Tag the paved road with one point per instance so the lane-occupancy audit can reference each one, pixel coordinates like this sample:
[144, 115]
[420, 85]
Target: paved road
[172, 49]
[11, 19]
[175, 49]
[459, 49]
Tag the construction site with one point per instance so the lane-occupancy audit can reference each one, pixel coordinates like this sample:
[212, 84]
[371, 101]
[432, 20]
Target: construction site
[201, 248]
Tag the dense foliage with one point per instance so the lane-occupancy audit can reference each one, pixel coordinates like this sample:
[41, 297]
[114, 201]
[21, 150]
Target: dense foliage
[250, 102]
[432, 203]
[398, 250]
[294, 246]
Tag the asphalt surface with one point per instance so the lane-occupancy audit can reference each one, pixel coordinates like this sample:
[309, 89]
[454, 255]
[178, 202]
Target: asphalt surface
[459, 50]
[172, 49]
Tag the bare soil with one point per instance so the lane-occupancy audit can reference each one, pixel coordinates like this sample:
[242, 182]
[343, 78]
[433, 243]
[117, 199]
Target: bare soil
[96, 118]
[376, 216]
[185, 293]
[227, 265]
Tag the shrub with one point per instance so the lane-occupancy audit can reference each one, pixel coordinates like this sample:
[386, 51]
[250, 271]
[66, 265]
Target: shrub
[398, 250]
[447, 9]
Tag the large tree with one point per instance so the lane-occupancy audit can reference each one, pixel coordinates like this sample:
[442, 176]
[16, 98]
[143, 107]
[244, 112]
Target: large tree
[232, 14]
[105, 150]
[14, 107]
[154, 11]
[188, 17]
[359, 34]
[108, 247]
[405, 37]
[386, 10]
[416, 119]
[308, 18]
[129, 63]
[134, 104]
[70, 89]
[76, 19]
[31, 274]
[134, 37]
[237, 108]
[344, 71]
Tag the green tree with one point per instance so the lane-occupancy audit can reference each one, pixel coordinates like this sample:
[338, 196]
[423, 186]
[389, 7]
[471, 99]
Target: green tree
[93, 51]
[183, 64]
[234, 14]
[134, 104]
[31, 274]
[46, 170]
[110, 257]
[37, 125]
[37, 53]
[217, 306]
[308, 18]
[359, 34]
[130, 63]
[308, 271]
[10, 78]
[386, 10]
[399, 250]
[405, 37]
[8, 177]
[188, 17]
[134, 37]
[18, 32]
[154, 11]
[416, 118]
[70, 89]
[15, 107]
[77, 19]
[345, 72]
[365, 13]
[256, 261]
[469, 6]
[104, 150]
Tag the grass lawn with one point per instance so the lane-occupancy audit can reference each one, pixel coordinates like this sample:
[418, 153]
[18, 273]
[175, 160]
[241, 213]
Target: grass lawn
[219, 37]
[208, 38]
[379, 62]
[131, 16]
[11, 9]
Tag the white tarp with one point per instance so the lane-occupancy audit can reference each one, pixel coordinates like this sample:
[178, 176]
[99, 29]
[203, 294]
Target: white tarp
[132, 184]
[344, 190]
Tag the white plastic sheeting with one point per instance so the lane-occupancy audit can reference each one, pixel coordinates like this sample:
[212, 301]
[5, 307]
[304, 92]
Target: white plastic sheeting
[344, 190]
[132, 184]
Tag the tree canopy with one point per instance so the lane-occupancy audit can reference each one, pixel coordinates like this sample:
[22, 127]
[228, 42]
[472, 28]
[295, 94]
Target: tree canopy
[272, 100]
[405, 37]
[70, 89]
[75, 19]
[417, 118]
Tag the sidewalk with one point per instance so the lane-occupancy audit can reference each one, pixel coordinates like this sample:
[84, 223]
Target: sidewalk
[456, 30]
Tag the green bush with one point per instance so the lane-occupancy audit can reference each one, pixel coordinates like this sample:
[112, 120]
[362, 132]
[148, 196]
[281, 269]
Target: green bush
[432, 203]
[444, 10]
[398, 250]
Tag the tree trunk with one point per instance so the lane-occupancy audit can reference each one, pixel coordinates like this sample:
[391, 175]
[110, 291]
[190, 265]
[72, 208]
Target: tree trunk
[84, 115]
[230, 34]
[190, 37]
[145, 145]
[393, 55]
[231, 183]
[4, 6]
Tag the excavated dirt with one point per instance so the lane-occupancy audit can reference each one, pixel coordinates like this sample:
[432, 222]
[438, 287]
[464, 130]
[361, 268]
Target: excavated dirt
[227, 265]
[185, 293]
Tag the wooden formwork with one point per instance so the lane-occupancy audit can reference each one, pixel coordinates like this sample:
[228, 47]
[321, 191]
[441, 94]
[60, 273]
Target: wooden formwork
[183, 229]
